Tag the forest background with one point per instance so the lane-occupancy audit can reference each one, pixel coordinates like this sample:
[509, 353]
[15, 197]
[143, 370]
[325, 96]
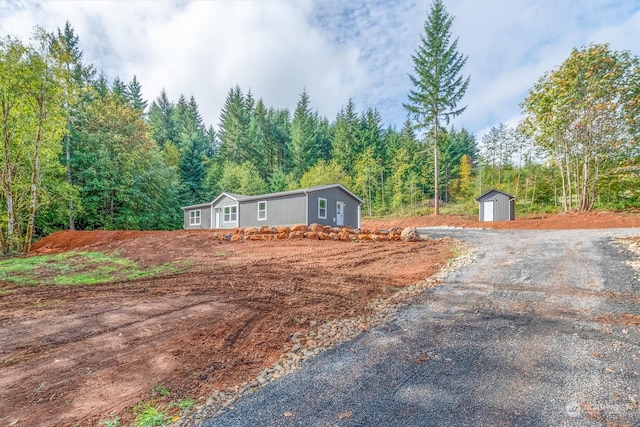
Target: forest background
[81, 151]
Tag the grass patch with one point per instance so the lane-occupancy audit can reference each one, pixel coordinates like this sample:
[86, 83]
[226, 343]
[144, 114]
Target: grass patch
[76, 268]
[147, 415]
[161, 410]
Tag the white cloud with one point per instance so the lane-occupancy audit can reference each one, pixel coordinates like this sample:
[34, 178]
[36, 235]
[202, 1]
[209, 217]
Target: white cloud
[334, 49]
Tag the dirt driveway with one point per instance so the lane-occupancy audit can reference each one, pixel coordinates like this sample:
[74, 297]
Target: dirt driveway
[542, 329]
[76, 355]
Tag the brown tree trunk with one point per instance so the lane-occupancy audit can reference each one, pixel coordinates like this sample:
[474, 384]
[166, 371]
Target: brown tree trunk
[35, 177]
[7, 182]
[436, 192]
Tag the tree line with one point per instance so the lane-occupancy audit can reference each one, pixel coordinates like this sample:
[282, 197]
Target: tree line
[82, 151]
[85, 152]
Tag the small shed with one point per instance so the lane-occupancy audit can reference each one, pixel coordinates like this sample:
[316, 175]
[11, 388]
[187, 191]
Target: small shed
[496, 205]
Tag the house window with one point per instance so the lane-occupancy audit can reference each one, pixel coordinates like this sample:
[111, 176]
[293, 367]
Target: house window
[262, 211]
[322, 208]
[230, 213]
[194, 217]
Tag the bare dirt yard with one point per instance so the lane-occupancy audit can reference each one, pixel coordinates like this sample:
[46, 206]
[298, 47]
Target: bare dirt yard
[76, 355]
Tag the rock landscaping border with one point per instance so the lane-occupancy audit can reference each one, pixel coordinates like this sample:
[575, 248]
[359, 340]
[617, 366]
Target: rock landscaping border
[316, 232]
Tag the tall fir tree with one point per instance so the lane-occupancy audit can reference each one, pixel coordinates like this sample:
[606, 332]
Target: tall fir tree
[344, 144]
[303, 145]
[133, 94]
[234, 122]
[163, 128]
[438, 83]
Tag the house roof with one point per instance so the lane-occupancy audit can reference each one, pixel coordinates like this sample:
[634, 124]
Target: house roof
[242, 198]
[510, 196]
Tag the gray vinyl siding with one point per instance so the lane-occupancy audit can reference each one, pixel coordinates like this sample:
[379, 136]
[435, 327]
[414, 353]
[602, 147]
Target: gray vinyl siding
[284, 210]
[205, 218]
[220, 205]
[333, 195]
[503, 206]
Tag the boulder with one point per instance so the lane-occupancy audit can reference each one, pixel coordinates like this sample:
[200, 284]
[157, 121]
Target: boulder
[311, 235]
[283, 229]
[300, 227]
[316, 227]
[410, 234]
[266, 229]
[296, 234]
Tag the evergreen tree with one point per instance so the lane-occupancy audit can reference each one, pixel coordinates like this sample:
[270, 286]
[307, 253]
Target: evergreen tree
[119, 89]
[101, 85]
[303, 146]
[370, 133]
[133, 95]
[193, 172]
[438, 84]
[280, 125]
[455, 144]
[345, 137]
[234, 122]
[163, 128]
[277, 181]
[194, 149]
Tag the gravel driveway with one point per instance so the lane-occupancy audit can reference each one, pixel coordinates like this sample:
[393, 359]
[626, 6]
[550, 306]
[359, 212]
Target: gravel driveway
[542, 329]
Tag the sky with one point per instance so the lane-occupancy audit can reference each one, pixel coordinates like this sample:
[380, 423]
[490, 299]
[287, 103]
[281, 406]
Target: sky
[332, 49]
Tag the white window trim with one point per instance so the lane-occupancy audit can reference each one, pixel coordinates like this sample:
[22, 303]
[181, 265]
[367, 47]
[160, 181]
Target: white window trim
[224, 214]
[264, 217]
[325, 208]
[195, 219]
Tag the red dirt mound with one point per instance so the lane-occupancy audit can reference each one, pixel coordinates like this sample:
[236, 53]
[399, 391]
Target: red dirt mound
[68, 240]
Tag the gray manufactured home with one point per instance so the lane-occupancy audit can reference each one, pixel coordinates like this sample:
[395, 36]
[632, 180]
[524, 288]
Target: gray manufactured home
[496, 205]
[332, 205]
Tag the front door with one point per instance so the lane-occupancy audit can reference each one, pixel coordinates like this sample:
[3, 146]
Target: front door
[217, 218]
[339, 213]
[488, 211]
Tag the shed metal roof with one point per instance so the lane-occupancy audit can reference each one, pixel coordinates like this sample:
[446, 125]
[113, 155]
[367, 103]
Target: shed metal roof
[486, 193]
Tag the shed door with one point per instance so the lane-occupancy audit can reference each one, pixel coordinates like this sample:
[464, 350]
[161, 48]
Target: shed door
[488, 210]
[339, 213]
